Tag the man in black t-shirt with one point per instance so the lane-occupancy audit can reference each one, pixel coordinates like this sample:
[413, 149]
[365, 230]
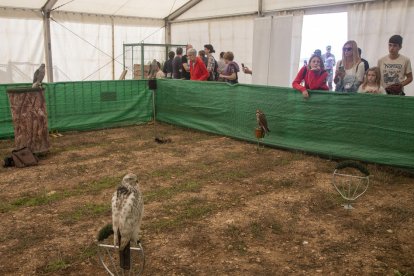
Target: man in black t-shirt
[366, 64]
[168, 70]
[185, 62]
[177, 65]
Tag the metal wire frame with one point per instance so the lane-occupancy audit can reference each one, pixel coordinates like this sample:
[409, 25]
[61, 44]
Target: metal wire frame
[104, 250]
[347, 191]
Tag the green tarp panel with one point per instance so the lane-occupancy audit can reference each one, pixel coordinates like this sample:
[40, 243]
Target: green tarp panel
[6, 124]
[374, 128]
[88, 105]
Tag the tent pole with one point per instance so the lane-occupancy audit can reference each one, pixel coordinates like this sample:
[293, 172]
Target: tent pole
[48, 43]
[113, 49]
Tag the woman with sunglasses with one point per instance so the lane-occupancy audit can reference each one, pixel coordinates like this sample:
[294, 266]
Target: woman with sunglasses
[350, 70]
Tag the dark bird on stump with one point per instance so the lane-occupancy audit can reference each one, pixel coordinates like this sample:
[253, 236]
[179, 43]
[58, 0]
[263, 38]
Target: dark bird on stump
[127, 212]
[261, 120]
[38, 76]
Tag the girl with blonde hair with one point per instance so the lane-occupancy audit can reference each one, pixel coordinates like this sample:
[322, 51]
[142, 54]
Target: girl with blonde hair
[350, 70]
[372, 82]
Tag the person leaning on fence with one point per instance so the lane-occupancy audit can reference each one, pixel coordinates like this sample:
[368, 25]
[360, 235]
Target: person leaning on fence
[313, 75]
[198, 70]
[372, 82]
[350, 70]
[168, 67]
[232, 68]
[395, 68]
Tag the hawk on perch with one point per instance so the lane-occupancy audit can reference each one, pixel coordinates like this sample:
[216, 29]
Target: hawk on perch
[127, 212]
[38, 76]
[261, 121]
[153, 69]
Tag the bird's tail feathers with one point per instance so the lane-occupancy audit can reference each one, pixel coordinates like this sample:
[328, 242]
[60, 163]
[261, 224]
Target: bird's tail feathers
[124, 253]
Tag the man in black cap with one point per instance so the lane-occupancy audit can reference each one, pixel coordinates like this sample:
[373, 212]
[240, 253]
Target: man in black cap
[395, 68]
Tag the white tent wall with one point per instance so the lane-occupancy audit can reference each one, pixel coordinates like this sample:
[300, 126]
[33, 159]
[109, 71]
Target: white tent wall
[277, 44]
[81, 47]
[87, 39]
[372, 24]
[228, 34]
[22, 47]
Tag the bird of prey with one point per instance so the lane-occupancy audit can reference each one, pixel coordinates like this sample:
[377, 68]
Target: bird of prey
[127, 212]
[38, 76]
[153, 69]
[261, 120]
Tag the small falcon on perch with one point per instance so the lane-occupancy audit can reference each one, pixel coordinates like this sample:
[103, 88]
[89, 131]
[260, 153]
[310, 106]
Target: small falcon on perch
[127, 212]
[38, 76]
[261, 120]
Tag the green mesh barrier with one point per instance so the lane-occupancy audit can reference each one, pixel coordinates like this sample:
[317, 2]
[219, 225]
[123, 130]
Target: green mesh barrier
[374, 128]
[88, 105]
[6, 124]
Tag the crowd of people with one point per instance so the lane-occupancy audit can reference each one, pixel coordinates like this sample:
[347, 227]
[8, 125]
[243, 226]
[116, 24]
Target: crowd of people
[352, 72]
[201, 65]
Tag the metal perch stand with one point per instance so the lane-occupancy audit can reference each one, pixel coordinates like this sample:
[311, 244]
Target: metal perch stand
[109, 260]
[349, 186]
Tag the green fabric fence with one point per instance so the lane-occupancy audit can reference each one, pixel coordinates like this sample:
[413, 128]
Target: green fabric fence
[374, 128]
[87, 105]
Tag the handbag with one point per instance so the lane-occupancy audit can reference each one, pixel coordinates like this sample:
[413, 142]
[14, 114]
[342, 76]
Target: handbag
[24, 157]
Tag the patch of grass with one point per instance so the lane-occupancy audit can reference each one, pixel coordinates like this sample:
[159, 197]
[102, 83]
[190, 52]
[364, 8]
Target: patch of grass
[235, 237]
[88, 252]
[168, 192]
[95, 187]
[39, 199]
[285, 182]
[257, 230]
[400, 273]
[55, 265]
[168, 172]
[323, 202]
[260, 227]
[183, 213]
[44, 198]
[89, 210]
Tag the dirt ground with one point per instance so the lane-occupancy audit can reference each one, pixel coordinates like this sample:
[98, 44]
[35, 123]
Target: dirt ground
[213, 206]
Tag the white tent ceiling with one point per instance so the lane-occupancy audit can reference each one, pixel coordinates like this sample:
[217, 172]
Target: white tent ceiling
[133, 8]
[161, 9]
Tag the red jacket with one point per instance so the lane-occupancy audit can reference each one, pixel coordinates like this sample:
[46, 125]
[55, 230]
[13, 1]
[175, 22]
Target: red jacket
[314, 80]
[198, 70]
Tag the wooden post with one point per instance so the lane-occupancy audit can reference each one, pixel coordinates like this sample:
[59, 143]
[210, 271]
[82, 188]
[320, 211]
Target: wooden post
[28, 108]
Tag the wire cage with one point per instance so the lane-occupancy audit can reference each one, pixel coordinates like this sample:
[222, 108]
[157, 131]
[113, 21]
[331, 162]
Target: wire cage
[138, 57]
[351, 180]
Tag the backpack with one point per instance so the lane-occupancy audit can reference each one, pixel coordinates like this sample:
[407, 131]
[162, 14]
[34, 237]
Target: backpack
[24, 157]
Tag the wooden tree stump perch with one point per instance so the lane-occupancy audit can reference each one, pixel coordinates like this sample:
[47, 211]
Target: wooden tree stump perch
[28, 108]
